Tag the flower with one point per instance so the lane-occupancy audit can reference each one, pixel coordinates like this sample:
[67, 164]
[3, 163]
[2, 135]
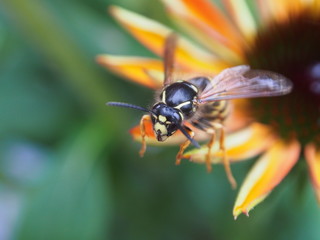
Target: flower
[282, 36]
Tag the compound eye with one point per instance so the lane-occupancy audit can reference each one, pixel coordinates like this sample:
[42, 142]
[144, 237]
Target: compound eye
[154, 118]
[168, 124]
[172, 128]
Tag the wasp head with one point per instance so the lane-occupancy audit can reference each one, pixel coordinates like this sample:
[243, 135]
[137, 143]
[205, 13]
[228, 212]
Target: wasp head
[166, 120]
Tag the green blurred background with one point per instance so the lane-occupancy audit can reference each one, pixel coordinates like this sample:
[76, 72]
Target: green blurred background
[68, 166]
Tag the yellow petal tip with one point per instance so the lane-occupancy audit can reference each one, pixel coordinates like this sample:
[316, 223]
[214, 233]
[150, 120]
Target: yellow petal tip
[266, 174]
[238, 211]
[236, 214]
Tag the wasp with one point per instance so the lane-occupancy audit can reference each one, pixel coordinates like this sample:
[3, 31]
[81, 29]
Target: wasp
[203, 102]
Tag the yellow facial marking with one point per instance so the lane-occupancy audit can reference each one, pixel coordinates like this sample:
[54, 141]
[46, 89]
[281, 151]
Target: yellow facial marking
[161, 127]
[162, 118]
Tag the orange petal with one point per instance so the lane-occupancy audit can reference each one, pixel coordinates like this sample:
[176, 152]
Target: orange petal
[243, 17]
[153, 34]
[266, 174]
[175, 139]
[240, 146]
[315, 6]
[205, 22]
[135, 69]
[313, 159]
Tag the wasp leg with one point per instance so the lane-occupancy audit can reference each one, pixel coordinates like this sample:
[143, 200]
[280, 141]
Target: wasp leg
[183, 146]
[210, 145]
[207, 127]
[143, 134]
[225, 159]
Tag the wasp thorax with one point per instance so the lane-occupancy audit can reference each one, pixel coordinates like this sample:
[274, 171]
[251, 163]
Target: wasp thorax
[181, 95]
[166, 120]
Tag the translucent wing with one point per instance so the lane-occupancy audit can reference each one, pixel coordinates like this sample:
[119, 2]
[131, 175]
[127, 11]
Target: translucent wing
[243, 82]
[168, 58]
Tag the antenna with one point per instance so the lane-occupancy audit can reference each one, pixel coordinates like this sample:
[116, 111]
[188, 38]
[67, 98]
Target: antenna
[127, 105]
[183, 130]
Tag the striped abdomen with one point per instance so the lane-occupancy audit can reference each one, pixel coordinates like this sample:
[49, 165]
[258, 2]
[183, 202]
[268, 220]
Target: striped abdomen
[209, 113]
[215, 111]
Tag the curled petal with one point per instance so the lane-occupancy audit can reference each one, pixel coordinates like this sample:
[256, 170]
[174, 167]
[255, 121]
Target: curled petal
[136, 69]
[153, 34]
[240, 146]
[205, 22]
[266, 174]
[175, 139]
[313, 159]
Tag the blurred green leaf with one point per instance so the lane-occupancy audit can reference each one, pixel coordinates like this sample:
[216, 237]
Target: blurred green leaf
[76, 202]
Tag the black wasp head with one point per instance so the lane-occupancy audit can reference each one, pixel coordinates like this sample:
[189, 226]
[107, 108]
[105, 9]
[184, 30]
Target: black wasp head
[166, 120]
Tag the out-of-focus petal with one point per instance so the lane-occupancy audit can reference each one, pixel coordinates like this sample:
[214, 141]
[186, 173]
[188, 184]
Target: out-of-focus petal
[240, 146]
[266, 174]
[313, 159]
[243, 17]
[271, 10]
[135, 68]
[316, 4]
[205, 22]
[240, 116]
[264, 12]
[282, 10]
[153, 34]
[175, 139]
